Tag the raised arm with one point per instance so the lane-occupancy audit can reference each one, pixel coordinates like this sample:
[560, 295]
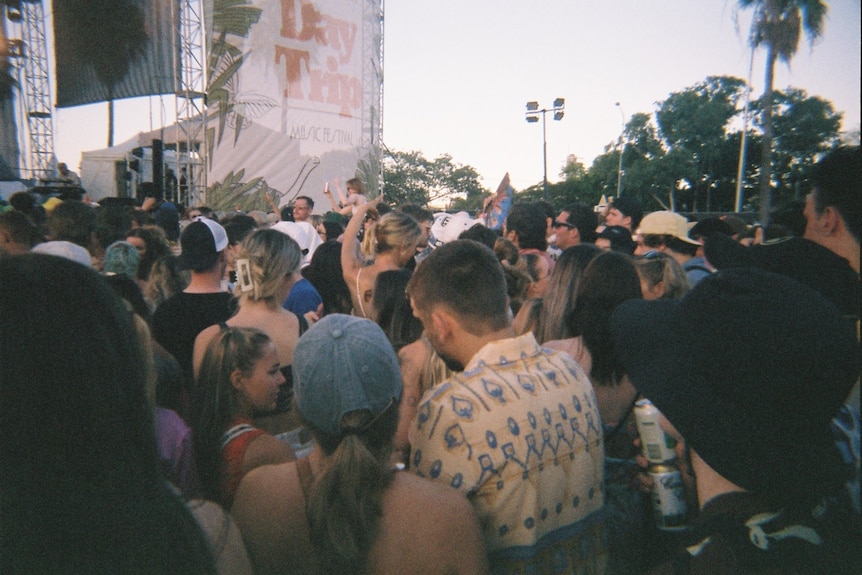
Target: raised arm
[273, 205]
[335, 207]
[342, 197]
[350, 263]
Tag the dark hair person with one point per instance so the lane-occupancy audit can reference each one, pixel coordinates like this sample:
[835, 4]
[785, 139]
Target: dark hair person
[81, 487]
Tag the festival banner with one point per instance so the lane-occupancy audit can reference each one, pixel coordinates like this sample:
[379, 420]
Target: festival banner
[293, 99]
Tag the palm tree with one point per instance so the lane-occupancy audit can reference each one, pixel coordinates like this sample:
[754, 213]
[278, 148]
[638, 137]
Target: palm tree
[108, 35]
[777, 25]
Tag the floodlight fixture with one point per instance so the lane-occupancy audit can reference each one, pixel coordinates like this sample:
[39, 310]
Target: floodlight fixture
[532, 116]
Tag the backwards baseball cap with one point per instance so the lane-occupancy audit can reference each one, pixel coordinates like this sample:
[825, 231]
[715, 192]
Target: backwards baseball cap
[666, 223]
[750, 367]
[201, 242]
[447, 227]
[343, 364]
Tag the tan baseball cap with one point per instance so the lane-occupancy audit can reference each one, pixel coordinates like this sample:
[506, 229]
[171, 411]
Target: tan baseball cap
[667, 224]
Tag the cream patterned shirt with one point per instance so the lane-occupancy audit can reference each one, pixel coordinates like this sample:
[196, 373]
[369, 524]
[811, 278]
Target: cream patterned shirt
[519, 432]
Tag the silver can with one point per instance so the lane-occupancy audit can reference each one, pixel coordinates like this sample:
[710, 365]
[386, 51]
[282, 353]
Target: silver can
[668, 497]
[656, 445]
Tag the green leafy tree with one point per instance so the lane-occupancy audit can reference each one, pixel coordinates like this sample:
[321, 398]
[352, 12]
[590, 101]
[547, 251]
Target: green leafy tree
[644, 170]
[694, 124]
[777, 26]
[803, 129]
[409, 177]
[604, 171]
[573, 170]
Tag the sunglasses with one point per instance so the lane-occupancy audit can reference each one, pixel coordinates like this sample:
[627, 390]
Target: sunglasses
[562, 225]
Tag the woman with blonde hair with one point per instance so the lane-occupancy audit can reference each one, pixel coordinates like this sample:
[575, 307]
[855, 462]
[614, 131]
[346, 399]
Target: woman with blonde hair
[268, 264]
[240, 377]
[165, 279]
[345, 508]
[393, 239]
[661, 276]
[546, 316]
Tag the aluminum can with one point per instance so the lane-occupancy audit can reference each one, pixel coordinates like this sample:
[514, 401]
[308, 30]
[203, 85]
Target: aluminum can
[668, 497]
[656, 445]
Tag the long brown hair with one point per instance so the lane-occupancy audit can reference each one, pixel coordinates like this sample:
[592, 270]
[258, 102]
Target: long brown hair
[346, 501]
[217, 402]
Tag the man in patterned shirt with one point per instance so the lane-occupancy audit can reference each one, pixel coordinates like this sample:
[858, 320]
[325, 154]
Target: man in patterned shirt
[517, 430]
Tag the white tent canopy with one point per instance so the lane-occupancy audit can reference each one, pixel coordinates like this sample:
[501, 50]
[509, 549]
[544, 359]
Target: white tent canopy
[103, 172]
[99, 169]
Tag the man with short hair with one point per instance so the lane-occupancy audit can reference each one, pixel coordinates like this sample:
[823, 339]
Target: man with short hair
[668, 232]
[832, 209]
[178, 320]
[575, 225]
[73, 221]
[626, 212]
[303, 206]
[526, 226]
[18, 233]
[518, 431]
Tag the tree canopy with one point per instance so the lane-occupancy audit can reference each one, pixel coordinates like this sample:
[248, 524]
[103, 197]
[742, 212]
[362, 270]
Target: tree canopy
[683, 155]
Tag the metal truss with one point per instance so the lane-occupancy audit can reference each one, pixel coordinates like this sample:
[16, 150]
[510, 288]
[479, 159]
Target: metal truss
[29, 48]
[191, 103]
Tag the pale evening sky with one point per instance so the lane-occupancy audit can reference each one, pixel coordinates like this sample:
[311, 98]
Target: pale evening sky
[458, 73]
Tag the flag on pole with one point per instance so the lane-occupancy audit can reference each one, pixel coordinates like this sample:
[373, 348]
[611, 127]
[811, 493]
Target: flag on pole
[497, 206]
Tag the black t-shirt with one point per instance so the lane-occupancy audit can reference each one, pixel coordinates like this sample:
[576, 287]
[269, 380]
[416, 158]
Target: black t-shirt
[178, 321]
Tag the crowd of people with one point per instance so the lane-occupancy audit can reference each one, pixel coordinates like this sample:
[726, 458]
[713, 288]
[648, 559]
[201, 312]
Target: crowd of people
[381, 389]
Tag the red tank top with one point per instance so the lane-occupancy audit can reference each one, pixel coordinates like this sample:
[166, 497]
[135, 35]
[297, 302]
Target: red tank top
[234, 442]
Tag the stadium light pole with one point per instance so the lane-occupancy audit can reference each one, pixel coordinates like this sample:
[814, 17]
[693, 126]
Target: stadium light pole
[622, 149]
[532, 115]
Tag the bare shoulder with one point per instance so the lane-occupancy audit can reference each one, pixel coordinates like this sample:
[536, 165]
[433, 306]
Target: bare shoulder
[412, 358]
[413, 353]
[269, 509]
[266, 450]
[205, 336]
[262, 488]
[201, 342]
[575, 348]
[558, 344]
[422, 502]
[430, 527]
